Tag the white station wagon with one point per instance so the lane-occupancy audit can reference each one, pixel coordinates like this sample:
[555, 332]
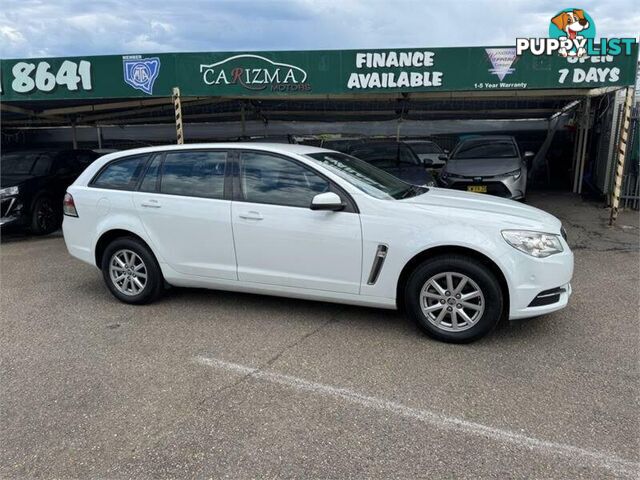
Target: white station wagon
[305, 222]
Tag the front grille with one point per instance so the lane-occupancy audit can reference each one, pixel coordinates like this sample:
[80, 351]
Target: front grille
[493, 188]
[547, 297]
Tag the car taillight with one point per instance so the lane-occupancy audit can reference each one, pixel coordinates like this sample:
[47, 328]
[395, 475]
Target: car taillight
[68, 206]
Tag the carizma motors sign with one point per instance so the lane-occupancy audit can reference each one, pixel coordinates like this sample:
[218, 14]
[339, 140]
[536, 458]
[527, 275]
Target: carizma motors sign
[254, 72]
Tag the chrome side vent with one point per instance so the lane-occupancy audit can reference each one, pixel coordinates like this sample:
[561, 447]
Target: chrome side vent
[378, 261]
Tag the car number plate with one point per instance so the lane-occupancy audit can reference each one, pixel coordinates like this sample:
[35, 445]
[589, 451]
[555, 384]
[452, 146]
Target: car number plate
[477, 188]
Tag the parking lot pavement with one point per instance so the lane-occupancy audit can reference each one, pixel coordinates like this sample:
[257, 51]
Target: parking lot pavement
[215, 384]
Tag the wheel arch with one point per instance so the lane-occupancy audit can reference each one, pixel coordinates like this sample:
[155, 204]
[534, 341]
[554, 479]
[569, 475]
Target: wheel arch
[433, 252]
[109, 236]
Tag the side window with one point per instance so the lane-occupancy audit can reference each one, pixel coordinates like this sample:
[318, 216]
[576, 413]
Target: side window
[194, 174]
[121, 174]
[150, 180]
[268, 179]
[42, 165]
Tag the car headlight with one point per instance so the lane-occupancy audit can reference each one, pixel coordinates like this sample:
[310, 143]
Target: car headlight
[515, 174]
[536, 244]
[9, 192]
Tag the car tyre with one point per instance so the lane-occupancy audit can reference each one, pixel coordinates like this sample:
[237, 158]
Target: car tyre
[428, 294]
[45, 217]
[131, 271]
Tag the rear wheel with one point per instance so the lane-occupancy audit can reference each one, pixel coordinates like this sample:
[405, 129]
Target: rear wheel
[131, 272]
[454, 298]
[45, 217]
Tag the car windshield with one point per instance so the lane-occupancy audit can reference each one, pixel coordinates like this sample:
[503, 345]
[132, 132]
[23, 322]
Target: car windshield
[485, 149]
[386, 156]
[21, 163]
[366, 177]
[425, 147]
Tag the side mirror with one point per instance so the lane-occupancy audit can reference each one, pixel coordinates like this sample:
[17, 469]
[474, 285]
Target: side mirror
[327, 201]
[446, 151]
[427, 162]
[443, 157]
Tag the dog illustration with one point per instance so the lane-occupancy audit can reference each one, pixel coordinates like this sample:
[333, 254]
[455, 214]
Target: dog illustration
[571, 23]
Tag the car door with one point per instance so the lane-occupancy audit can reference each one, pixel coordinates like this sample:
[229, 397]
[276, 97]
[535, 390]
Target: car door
[279, 240]
[181, 202]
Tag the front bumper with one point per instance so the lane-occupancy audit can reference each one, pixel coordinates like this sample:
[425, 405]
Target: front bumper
[533, 279]
[11, 212]
[502, 186]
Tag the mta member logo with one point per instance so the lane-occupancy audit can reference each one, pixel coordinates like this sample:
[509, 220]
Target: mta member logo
[141, 73]
[253, 72]
[575, 25]
[501, 60]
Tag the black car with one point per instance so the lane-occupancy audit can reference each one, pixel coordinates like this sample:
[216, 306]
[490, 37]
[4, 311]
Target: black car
[397, 158]
[33, 184]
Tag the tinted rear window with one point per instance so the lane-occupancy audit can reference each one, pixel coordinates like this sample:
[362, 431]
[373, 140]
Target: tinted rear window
[121, 174]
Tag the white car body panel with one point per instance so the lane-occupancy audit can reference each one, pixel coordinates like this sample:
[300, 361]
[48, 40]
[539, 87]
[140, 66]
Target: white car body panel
[317, 255]
[188, 229]
[290, 246]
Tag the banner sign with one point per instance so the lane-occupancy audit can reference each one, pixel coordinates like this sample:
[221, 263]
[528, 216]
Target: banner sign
[304, 73]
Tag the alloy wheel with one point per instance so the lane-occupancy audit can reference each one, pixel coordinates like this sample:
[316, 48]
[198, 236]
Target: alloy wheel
[452, 301]
[128, 272]
[45, 216]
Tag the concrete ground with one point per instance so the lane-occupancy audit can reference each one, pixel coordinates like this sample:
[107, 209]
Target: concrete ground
[214, 384]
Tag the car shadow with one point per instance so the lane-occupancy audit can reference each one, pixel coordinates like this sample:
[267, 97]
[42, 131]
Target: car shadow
[15, 236]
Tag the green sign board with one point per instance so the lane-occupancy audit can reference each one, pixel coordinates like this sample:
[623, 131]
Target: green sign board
[304, 73]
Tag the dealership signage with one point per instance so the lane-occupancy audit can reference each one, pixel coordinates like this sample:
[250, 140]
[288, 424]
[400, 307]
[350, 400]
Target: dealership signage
[255, 72]
[303, 73]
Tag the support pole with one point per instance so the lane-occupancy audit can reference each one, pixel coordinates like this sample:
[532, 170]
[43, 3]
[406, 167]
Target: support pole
[74, 135]
[99, 134]
[585, 140]
[243, 126]
[621, 152]
[576, 152]
[177, 106]
[583, 135]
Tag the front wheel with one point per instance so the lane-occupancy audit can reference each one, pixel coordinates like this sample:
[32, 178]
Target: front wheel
[454, 298]
[131, 272]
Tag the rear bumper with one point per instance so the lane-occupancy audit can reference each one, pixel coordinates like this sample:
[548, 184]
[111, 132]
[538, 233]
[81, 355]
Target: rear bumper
[75, 238]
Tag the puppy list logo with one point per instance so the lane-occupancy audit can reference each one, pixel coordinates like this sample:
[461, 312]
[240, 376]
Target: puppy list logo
[574, 25]
[572, 33]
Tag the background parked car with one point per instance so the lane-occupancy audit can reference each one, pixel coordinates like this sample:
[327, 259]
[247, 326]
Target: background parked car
[397, 158]
[429, 153]
[32, 186]
[491, 164]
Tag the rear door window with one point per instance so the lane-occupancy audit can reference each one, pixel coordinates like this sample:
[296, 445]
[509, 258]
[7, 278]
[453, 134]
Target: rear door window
[194, 173]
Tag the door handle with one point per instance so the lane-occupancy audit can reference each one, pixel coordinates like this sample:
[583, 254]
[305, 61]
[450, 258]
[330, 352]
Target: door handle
[150, 204]
[253, 215]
